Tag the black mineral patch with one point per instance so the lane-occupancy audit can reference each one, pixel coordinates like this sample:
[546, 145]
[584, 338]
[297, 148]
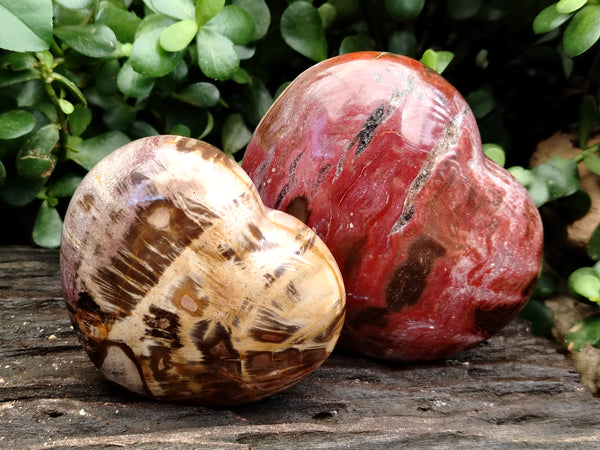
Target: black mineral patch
[410, 279]
[367, 131]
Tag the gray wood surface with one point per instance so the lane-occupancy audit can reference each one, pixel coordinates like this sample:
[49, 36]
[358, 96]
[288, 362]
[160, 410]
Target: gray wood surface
[514, 391]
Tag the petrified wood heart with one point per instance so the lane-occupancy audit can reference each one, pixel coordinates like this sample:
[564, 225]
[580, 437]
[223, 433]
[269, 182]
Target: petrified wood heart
[184, 287]
[439, 246]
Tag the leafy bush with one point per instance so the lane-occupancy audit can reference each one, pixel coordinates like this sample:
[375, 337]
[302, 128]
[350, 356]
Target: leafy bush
[79, 78]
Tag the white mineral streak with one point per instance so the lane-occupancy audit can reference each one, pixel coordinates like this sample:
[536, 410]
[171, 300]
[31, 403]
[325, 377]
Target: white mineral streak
[442, 150]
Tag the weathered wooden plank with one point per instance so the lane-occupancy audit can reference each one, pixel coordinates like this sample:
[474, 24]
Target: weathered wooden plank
[514, 390]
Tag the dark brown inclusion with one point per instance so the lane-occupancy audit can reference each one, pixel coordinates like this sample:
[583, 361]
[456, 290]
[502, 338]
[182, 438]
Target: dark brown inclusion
[214, 343]
[272, 328]
[488, 323]
[184, 144]
[367, 132]
[149, 252]
[409, 280]
[88, 311]
[298, 208]
[163, 326]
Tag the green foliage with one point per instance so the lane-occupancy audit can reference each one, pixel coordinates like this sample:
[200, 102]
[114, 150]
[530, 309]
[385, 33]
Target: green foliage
[302, 29]
[495, 153]
[584, 332]
[26, 25]
[80, 78]
[583, 24]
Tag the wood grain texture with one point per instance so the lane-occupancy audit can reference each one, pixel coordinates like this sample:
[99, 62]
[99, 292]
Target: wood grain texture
[183, 287]
[514, 390]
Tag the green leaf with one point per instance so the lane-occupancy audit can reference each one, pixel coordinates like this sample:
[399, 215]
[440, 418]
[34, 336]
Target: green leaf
[244, 51]
[133, 84]
[481, 101]
[576, 275]
[47, 226]
[79, 120]
[537, 188]
[588, 117]
[216, 56]
[574, 206]
[235, 135]
[32, 93]
[139, 129]
[546, 286]
[588, 286]
[584, 332]
[540, 316]
[463, 9]
[120, 117]
[259, 11]
[356, 43]
[402, 10]
[202, 94]
[18, 61]
[64, 186]
[96, 41]
[557, 178]
[234, 23]
[75, 4]
[106, 79]
[16, 123]
[208, 125]
[257, 101]
[437, 61]
[559, 175]
[71, 86]
[122, 22]
[92, 150]
[568, 6]
[592, 162]
[583, 30]
[152, 23]
[495, 153]
[207, 9]
[549, 19]
[593, 247]
[403, 42]
[66, 106]
[2, 174]
[302, 30]
[179, 9]
[149, 59]
[18, 191]
[181, 130]
[178, 36]
[35, 158]
[328, 14]
[8, 78]
[26, 25]
[241, 76]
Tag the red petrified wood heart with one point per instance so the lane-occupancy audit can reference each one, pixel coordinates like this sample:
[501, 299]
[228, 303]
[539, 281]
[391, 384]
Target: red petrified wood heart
[439, 247]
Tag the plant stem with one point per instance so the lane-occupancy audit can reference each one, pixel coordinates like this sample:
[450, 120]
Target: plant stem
[48, 79]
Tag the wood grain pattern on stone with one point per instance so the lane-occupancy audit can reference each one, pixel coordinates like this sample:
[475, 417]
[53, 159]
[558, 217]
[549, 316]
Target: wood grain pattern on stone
[515, 390]
[184, 287]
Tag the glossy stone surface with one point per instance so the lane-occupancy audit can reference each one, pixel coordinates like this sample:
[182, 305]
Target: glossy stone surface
[184, 287]
[439, 247]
